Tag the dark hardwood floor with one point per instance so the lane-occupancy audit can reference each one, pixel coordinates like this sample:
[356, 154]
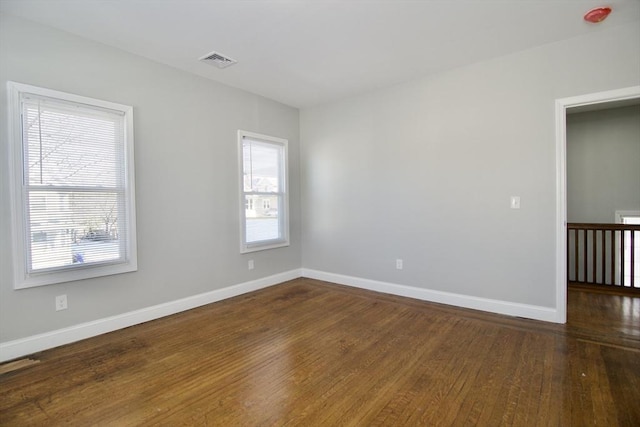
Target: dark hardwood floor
[310, 353]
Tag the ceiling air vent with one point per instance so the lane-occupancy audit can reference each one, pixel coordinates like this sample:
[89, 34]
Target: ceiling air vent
[217, 59]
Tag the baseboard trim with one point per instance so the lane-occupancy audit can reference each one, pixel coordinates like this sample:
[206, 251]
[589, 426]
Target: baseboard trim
[494, 306]
[22, 347]
[25, 346]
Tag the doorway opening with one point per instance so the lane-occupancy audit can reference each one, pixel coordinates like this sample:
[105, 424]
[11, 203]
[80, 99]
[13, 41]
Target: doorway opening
[588, 102]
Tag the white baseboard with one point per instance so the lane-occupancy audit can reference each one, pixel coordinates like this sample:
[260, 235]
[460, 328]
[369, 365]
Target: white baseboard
[21, 347]
[494, 306]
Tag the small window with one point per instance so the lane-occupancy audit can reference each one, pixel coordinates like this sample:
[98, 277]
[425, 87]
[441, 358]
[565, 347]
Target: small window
[73, 198]
[264, 217]
[632, 218]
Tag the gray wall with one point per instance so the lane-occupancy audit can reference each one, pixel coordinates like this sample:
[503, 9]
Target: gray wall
[603, 164]
[186, 178]
[423, 171]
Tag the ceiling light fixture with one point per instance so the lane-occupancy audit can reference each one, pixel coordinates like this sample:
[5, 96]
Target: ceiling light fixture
[597, 14]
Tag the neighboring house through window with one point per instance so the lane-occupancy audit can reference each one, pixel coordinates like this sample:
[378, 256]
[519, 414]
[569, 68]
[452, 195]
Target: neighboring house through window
[263, 179]
[73, 193]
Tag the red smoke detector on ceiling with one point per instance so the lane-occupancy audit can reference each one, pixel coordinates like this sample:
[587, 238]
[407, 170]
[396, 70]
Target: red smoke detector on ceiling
[597, 14]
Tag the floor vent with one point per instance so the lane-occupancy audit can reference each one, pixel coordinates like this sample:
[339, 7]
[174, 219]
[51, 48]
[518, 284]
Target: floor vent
[218, 59]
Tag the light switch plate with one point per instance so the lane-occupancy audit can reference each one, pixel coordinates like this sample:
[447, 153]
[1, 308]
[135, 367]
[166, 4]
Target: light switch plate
[515, 202]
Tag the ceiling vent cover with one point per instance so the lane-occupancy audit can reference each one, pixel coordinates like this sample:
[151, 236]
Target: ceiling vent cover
[218, 59]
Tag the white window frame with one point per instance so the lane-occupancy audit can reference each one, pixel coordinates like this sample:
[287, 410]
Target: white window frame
[18, 194]
[282, 194]
[620, 216]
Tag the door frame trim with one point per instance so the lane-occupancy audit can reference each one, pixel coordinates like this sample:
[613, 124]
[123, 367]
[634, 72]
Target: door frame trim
[562, 105]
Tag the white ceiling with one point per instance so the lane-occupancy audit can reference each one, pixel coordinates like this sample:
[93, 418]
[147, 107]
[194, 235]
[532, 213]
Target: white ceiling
[306, 52]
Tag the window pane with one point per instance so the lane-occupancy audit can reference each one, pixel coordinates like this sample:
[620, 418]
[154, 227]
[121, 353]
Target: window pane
[71, 147]
[634, 220]
[262, 222]
[261, 166]
[73, 228]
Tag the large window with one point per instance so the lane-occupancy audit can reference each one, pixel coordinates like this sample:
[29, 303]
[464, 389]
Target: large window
[73, 195]
[264, 202]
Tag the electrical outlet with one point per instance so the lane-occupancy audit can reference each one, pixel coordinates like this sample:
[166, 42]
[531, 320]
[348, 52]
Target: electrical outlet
[399, 264]
[61, 302]
[251, 265]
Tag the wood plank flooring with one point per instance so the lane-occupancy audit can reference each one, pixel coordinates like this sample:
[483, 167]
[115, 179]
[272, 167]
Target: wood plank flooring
[309, 353]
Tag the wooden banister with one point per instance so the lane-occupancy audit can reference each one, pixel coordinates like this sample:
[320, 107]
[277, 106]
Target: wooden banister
[598, 226]
[587, 260]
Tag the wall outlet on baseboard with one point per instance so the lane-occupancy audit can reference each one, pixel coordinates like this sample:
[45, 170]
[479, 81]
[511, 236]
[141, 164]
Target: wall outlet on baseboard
[61, 302]
[399, 264]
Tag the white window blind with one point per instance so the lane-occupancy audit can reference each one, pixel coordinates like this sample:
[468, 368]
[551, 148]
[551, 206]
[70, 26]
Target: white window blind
[264, 217]
[76, 194]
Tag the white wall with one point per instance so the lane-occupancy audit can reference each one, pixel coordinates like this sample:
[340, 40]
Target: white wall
[603, 164]
[186, 178]
[423, 171]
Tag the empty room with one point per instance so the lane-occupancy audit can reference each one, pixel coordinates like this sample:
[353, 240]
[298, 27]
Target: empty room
[319, 213]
